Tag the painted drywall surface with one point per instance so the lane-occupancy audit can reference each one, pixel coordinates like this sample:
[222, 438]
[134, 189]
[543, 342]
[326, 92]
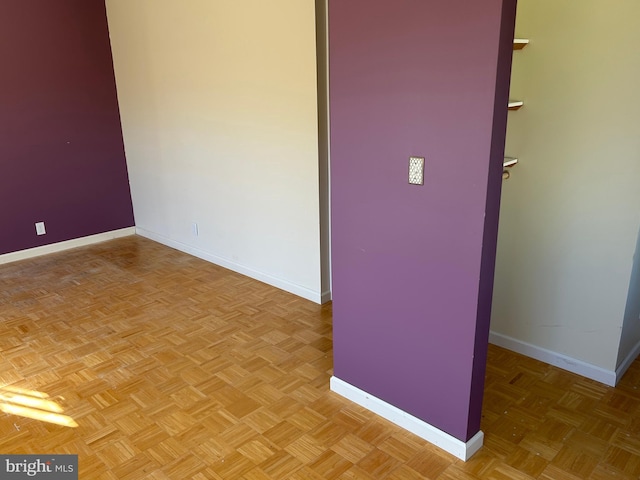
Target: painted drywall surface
[419, 79]
[630, 337]
[570, 217]
[61, 151]
[322, 47]
[220, 120]
[492, 213]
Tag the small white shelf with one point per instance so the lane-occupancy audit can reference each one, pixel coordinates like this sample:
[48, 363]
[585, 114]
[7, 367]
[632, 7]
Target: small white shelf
[515, 104]
[520, 43]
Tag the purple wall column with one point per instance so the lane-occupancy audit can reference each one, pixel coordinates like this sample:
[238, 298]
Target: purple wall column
[61, 149]
[413, 265]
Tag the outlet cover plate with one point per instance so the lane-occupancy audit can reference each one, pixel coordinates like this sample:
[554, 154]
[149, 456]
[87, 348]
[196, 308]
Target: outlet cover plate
[416, 170]
[40, 230]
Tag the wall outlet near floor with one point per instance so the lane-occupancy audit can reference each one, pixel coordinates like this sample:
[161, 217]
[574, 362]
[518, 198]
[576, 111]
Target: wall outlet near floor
[194, 229]
[40, 230]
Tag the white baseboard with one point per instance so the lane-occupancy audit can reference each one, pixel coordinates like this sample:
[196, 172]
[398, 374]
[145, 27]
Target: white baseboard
[325, 297]
[626, 363]
[608, 377]
[66, 245]
[236, 267]
[431, 434]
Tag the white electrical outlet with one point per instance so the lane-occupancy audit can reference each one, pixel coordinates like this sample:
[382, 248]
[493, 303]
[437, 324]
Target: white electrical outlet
[40, 230]
[416, 170]
[194, 229]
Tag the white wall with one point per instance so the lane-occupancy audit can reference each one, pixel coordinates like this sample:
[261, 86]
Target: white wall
[571, 210]
[219, 110]
[630, 341]
[322, 43]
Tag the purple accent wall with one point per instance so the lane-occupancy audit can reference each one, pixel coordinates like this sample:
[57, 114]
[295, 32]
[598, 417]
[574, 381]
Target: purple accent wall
[413, 265]
[492, 211]
[61, 149]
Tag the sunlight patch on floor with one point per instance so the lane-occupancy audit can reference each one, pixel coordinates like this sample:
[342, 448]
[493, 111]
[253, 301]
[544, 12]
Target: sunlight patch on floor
[33, 404]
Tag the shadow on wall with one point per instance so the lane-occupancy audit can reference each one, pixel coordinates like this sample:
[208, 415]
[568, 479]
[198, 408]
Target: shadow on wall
[630, 337]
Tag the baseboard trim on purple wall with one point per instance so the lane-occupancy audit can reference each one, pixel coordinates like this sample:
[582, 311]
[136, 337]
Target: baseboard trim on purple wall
[599, 374]
[431, 434]
[66, 245]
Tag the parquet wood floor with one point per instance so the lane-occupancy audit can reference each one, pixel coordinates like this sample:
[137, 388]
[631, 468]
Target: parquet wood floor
[154, 364]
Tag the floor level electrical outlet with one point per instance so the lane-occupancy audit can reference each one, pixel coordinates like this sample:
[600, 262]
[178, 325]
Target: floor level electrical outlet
[194, 229]
[40, 230]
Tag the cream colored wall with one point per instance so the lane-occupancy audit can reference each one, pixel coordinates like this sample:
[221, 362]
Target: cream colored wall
[322, 42]
[219, 110]
[571, 210]
[630, 341]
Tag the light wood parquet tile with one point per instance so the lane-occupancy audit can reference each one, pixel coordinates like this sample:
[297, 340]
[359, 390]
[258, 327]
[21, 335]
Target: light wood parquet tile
[174, 368]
